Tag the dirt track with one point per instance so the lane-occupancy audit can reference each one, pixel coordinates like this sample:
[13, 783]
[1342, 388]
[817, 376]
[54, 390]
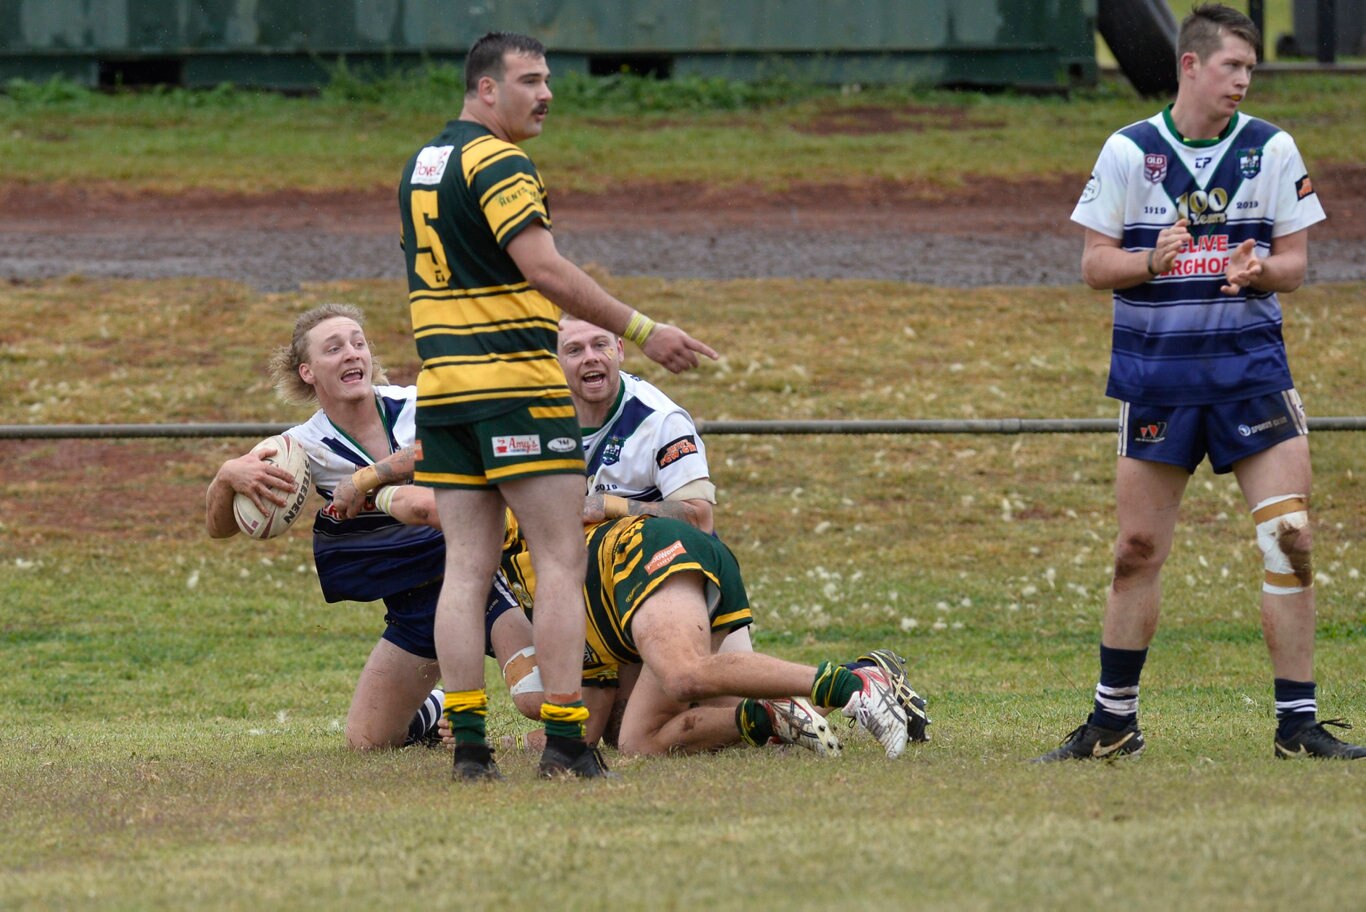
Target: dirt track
[881, 231]
[276, 242]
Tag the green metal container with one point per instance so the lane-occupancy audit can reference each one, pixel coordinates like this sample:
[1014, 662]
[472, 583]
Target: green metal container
[291, 43]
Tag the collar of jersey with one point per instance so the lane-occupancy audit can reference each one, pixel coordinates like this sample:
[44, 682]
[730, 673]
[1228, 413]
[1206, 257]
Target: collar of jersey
[1198, 143]
[616, 409]
[383, 420]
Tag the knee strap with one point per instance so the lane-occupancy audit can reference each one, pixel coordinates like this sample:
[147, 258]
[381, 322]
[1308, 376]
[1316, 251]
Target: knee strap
[521, 672]
[1278, 519]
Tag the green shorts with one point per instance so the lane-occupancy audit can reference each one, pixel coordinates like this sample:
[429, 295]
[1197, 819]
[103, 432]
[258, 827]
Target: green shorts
[537, 437]
[629, 558]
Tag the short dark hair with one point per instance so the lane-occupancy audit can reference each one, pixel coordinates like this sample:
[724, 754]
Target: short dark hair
[486, 56]
[1202, 32]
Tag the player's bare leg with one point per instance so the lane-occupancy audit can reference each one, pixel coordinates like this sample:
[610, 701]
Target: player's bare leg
[682, 667]
[1287, 620]
[472, 523]
[549, 510]
[391, 687]
[673, 634]
[1148, 498]
[653, 723]
[1276, 483]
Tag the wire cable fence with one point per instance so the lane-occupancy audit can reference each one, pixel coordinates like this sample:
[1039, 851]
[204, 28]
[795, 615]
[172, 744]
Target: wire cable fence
[710, 428]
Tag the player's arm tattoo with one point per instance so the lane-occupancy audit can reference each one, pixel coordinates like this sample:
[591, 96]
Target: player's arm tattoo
[598, 507]
[397, 468]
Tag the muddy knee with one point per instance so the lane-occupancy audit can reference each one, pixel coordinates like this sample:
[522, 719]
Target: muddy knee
[1135, 555]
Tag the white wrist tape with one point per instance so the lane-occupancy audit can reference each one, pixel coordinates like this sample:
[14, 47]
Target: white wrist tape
[384, 500]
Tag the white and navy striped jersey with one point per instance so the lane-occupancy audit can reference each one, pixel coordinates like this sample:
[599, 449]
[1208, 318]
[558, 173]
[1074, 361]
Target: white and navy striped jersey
[373, 555]
[648, 447]
[1177, 339]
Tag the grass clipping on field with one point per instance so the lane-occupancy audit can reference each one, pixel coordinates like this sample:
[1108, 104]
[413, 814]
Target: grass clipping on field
[178, 700]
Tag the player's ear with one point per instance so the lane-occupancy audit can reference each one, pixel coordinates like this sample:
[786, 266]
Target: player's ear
[306, 373]
[1189, 60]
[488, 89]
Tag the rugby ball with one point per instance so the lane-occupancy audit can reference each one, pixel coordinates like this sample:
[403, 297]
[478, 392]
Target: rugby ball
[289, 455]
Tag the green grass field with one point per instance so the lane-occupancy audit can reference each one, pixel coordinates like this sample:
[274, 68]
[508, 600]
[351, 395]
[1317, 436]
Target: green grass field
[170, 716]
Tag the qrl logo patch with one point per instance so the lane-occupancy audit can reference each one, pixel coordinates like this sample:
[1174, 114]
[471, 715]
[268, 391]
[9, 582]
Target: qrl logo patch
[1304, 187]
[1155, 167]
[517, 445]
[1151, 432]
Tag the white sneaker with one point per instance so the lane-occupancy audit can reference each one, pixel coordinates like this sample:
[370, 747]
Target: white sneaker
[796, 721]
[875, 707]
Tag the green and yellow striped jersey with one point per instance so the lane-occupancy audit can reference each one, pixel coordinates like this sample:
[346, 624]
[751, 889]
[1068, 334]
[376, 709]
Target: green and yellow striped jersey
[485, 336]
[628, 559]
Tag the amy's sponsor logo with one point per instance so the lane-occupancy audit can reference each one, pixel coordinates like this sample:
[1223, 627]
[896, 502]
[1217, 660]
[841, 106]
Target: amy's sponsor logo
[664, 555]
[517, 445]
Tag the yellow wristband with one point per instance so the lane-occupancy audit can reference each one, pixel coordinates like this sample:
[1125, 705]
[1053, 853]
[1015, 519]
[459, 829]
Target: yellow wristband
[615, 507]
[365, 479]
[639, 327]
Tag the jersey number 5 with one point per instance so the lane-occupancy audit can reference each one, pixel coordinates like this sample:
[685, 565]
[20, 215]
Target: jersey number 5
[429, 260]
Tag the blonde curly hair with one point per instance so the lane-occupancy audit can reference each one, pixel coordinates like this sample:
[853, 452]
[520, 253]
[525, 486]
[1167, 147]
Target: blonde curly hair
[285, 360]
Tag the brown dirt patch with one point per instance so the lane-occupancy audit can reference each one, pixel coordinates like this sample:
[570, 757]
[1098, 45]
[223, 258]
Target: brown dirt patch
[955, 235]
[867, 207]
[872, 120]
[69, 490]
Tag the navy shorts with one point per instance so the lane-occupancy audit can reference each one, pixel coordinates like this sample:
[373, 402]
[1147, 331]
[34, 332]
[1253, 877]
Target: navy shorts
[410, 621]
[1183, 435]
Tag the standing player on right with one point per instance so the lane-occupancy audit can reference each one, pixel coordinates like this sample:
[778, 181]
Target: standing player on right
[1196, 218]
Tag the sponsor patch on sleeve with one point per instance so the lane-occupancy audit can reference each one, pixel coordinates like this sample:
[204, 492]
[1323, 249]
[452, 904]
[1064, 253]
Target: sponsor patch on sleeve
[431, 164]
[1092, 189]
[1304, 187]
[664, 556]
[675, 450]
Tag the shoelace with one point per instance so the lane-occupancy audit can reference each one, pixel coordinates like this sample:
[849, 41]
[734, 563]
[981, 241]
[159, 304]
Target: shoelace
[1336, 723]
[1074, 733]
